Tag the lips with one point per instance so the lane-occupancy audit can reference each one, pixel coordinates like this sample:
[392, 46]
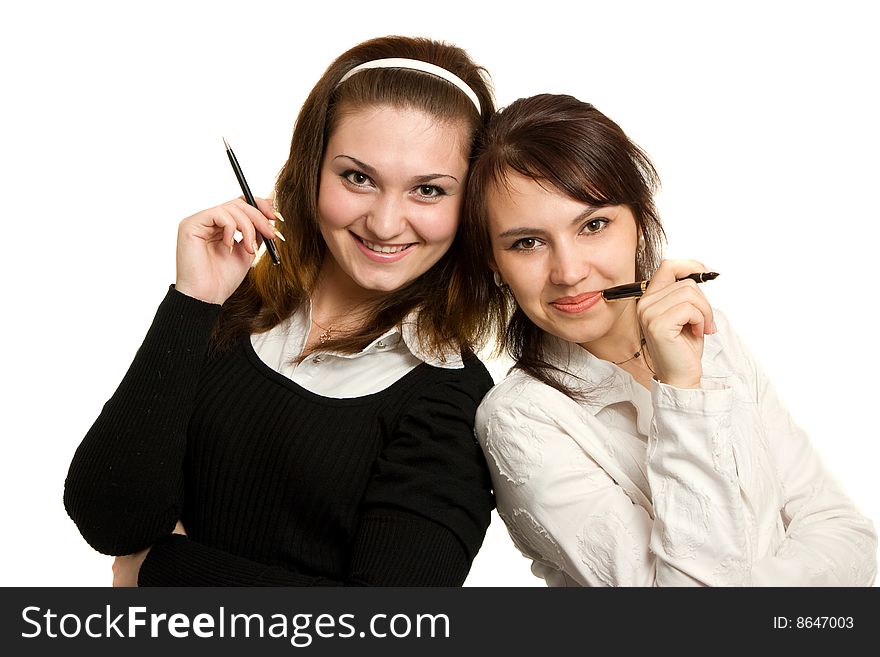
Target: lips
[384, 248]
[577, 304]
[383, 253]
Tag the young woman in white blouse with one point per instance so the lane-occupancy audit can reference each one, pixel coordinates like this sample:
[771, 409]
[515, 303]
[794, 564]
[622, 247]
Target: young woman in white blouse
[635, 442]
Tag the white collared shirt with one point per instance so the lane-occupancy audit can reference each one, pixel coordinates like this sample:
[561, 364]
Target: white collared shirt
[668, 487]
[329, 374]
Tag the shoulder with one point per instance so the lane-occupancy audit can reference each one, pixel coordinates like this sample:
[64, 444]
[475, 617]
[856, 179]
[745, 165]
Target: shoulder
[520, 390]
[442, 395]
[520, 399]
[472, 378]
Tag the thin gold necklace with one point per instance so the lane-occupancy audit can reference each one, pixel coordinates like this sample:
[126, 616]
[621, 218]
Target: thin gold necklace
[327, 332]
[634, 356]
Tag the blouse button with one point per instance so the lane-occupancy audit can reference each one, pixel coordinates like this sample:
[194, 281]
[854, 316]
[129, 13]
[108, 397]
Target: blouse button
[380, 344]
[317, 359]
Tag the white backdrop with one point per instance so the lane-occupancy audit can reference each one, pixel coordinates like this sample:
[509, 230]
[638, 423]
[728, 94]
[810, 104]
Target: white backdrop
[760, 116]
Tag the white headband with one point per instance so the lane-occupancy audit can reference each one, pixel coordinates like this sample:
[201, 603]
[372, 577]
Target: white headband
[417, 65]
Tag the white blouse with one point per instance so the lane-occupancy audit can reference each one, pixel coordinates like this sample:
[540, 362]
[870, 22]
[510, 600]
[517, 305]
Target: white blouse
[667, 487]
[329, 374]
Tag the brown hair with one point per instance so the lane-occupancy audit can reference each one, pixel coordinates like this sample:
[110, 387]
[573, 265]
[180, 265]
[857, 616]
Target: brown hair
[271, 293]
[570, 146]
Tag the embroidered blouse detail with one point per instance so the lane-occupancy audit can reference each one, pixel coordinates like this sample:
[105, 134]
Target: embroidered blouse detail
[668, 487]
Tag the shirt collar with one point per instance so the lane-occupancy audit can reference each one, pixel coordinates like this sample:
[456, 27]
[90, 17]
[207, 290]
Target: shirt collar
[409, 332]
[603, 383]
[406, 335]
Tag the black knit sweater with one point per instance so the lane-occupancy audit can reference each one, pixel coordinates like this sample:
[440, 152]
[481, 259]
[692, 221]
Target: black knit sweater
[276, 485]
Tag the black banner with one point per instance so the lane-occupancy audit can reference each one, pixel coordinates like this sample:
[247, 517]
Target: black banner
[334, 621]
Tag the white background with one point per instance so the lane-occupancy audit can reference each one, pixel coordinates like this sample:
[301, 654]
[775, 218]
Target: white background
[760, 116]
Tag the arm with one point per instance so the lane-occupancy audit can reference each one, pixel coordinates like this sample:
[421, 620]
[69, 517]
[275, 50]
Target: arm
[424, 513]
[391, 549]
[827, 541]
[125, 483]
[569, 503]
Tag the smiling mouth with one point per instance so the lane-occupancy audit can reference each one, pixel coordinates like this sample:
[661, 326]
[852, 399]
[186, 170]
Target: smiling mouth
[384, 248]
[578, 304]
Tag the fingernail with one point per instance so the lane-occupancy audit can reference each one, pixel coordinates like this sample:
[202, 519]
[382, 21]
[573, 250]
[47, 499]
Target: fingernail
[280, 236]
[278, 215]
[231, 247]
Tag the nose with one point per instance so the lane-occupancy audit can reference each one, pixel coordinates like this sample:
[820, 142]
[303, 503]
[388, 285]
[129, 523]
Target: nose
[386, 219]
[568, 266]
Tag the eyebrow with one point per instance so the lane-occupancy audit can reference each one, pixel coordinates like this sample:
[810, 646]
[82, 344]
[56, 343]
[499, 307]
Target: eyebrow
[525, 231]
[418, 180]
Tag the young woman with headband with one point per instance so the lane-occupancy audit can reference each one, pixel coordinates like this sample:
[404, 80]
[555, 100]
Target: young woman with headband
[636, 442]
[311, 422]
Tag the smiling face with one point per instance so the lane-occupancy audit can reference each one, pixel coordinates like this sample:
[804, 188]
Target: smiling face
[557, 254]
[392, 184]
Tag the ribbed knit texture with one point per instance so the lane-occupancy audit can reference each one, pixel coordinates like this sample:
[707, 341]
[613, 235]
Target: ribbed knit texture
[276, 485]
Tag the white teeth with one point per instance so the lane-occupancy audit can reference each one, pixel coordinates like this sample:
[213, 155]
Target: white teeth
[384, 249]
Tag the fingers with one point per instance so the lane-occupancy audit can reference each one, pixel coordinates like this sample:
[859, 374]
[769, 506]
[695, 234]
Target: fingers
[221, 223]
[266, 206]
[666, 306]
[244, 224]
[264, 224]
[666, 291]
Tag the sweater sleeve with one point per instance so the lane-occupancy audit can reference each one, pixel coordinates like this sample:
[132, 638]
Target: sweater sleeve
[433, 467]
[124, 487]
[424, 515]
[391, 549]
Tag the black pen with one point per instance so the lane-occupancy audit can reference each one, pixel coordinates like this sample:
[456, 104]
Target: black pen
[268, 241]
[631, 290]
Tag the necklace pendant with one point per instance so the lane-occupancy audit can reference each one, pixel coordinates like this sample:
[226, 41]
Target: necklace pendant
[324, 337]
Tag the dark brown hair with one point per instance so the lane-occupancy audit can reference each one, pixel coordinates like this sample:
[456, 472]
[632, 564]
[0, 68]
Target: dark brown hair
[567, 145]
[271, 293]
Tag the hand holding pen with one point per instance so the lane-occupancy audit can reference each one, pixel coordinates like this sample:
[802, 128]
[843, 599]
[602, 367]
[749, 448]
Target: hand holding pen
[674, 316]
[211, 264]
[246, 192]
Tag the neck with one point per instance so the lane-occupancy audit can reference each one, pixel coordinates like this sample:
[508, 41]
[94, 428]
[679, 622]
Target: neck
[622, 340]
[336, 299]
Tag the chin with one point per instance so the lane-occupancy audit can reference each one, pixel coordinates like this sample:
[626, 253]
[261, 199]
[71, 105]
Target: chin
[575, 334]
[381, 284]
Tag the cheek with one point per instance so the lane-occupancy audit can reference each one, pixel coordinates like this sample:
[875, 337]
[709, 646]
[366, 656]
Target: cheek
[438, 224]
[615, 262]
[337, 208]
[522, 273]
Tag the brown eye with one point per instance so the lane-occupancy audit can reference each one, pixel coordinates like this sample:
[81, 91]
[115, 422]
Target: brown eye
[526, 244]
[595, 225]
[356, 178]
[429, 191]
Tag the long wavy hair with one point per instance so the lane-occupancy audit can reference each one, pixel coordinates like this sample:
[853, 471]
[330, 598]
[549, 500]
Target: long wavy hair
[448, 319]
[568, 145]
